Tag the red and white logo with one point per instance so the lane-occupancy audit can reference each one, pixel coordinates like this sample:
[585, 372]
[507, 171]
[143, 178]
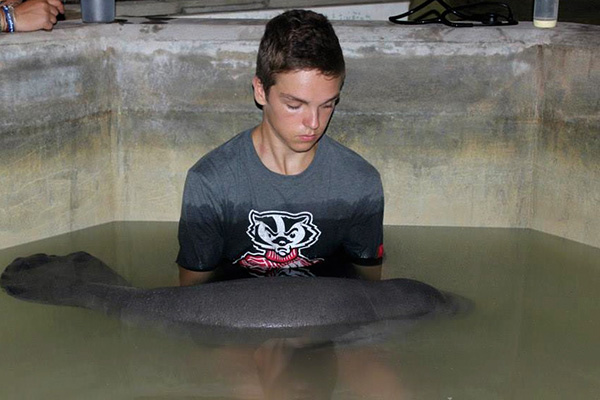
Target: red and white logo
[279, 237]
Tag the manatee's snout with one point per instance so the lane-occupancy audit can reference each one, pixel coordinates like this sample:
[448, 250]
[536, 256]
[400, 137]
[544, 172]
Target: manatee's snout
[457, 305]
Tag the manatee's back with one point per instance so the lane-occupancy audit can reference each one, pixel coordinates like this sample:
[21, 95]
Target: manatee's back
[264, 303]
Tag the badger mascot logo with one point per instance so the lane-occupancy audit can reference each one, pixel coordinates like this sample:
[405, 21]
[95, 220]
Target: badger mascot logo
[279, 236]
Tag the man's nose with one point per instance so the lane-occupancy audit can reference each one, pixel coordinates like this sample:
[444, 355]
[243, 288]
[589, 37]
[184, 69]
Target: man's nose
[311, 119]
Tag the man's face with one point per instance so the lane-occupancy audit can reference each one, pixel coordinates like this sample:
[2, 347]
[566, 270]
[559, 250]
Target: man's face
[298, 107]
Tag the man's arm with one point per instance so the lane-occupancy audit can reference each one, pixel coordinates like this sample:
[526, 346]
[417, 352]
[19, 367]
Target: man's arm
[199, 235]
[191, 278]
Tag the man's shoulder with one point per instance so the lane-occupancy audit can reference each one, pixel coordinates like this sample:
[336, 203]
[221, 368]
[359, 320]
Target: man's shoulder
[349, 161]
[221, 157]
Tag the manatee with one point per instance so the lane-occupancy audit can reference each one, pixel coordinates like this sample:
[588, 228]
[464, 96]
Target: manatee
[240, 311]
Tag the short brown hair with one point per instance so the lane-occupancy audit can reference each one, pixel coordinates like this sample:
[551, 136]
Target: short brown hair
[298, 40]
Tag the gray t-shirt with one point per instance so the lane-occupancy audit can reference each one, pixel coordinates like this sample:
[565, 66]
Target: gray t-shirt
[236, 211]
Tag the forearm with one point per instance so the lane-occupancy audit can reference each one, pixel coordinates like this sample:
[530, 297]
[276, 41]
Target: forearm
[191, 278]
[13, 3]
[7, 18]
[4, 26]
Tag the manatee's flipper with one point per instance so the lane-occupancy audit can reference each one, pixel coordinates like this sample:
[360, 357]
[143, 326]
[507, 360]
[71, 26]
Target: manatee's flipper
[64, 280]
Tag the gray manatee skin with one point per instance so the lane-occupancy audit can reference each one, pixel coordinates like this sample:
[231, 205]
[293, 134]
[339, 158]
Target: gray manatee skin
[244, 310]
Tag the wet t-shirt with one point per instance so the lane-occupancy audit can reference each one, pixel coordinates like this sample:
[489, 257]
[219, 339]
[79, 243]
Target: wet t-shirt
[236, 212]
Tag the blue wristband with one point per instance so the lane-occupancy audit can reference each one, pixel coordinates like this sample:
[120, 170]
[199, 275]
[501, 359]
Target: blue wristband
[9, 18]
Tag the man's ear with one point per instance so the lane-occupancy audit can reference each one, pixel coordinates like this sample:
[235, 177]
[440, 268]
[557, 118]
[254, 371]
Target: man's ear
[259, 91]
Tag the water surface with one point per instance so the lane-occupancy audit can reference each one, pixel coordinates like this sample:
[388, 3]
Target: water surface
[532, 335]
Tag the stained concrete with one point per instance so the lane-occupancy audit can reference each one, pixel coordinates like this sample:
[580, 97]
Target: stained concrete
[493, 127]
[568, 151]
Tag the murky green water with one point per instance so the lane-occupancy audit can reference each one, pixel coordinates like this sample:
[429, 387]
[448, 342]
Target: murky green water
[534, 333]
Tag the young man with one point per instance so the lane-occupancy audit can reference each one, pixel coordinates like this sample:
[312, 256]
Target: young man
[282, 198]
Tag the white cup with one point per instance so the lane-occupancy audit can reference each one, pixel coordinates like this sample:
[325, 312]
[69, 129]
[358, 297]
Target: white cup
[545, 13]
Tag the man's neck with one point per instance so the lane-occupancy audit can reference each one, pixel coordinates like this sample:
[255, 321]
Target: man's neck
[277, 157]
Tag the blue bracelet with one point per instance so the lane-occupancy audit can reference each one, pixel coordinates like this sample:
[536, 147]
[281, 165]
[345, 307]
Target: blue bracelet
[9, 18]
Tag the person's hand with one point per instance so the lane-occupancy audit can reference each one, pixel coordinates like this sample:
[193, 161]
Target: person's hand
[33, 15]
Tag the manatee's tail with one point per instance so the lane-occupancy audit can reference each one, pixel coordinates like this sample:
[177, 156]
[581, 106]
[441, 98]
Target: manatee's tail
[78, 279]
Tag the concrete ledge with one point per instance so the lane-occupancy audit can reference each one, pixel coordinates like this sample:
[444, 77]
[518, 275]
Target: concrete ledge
[494, 127]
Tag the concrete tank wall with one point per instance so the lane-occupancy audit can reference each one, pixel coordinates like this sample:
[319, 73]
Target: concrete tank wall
[468, 127]
[56, 136]
[567, 163]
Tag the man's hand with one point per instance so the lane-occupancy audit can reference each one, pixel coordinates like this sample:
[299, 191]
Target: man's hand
[34, 15]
